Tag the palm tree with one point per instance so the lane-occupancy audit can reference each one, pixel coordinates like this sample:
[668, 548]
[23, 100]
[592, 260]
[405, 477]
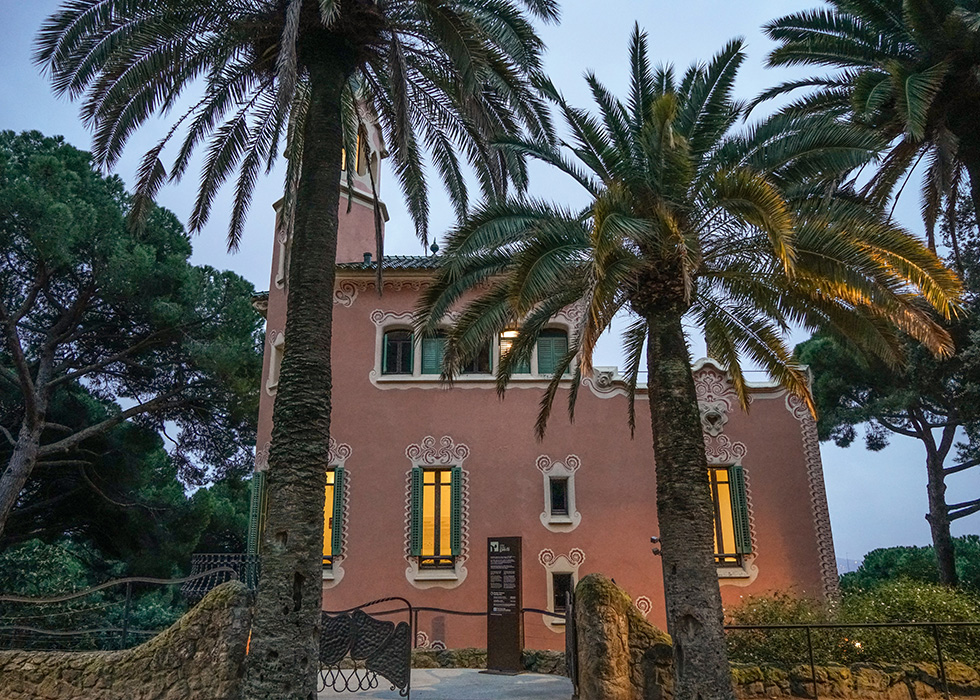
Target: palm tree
[440, 77]
[907, 69]
[688, 224]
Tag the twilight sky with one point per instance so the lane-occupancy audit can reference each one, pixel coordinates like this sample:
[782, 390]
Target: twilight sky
[876, 499]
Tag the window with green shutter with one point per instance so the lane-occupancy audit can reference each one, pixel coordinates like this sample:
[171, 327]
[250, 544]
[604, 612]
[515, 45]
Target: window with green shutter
[740, 510]
[333, 516]
[733, 537]
[436, 528]
[552, 347]
[432, 349]
[255, 512]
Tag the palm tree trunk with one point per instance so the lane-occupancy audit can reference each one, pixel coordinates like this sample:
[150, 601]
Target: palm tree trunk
[283, 658]
[685, 515]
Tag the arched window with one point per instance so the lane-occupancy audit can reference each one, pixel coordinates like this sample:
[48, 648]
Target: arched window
[397, 358]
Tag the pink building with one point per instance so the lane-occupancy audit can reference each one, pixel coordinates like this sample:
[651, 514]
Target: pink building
[421, 475]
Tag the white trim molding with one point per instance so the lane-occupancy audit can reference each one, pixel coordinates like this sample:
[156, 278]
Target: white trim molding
[559, 564]
[442, 453]
[818, 495]
[277, 344]
[561, 469]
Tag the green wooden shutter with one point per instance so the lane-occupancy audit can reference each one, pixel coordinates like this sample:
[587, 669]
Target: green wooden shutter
[384, 354]
[338, 511]
[432, 349]
[740, 510]
[415, 530]
[551, 349]
[456, 522]
[255, 511]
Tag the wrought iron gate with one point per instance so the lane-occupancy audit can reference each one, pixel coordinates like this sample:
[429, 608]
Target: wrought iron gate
[356, 648]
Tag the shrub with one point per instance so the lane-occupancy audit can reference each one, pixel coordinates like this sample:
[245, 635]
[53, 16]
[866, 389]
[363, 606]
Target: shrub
[896, 601]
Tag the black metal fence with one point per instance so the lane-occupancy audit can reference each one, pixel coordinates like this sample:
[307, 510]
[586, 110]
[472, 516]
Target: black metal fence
[803, 649]
[95, 618]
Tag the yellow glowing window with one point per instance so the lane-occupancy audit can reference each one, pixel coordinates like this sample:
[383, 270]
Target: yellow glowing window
[333, 515]
[436, 516]
[731, 521]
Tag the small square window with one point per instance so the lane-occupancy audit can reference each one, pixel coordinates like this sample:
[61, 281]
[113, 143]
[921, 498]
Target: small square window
[559, 495]
[561, 586]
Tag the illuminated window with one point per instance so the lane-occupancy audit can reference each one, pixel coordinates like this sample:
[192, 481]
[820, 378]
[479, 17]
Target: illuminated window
[333, 516]
[436, 528]
[507, 339]
[733, 537]
[397, 358]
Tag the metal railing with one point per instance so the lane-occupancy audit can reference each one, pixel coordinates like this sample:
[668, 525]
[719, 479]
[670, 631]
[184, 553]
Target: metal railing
[20, 634]
[933, 627]
[211, 570]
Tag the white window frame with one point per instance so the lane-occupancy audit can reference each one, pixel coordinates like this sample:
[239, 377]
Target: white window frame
[560, 469]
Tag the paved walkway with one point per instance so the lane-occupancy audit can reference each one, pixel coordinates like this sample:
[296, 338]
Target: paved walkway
[470, 684]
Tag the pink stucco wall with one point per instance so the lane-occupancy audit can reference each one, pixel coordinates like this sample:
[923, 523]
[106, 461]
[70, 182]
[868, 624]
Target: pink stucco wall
[615, 484]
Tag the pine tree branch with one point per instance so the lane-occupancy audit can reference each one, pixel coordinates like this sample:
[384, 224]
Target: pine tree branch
[963, 509]
[961, 467]
[99, 428]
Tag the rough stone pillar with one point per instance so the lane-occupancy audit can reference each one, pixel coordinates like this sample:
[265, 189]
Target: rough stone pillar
[621, 656]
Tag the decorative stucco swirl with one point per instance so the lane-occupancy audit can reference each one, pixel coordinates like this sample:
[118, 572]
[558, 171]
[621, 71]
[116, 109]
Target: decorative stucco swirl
[430, 453]
[345, 293]
[818, 494]
[644, 605]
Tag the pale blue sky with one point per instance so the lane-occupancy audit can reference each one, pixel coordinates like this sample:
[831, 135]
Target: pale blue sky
[876, 499]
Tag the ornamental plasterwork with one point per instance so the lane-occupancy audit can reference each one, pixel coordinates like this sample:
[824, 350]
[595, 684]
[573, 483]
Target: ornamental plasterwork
[818, 494]
[721, 451]
[422, 642]
[604, 384]
[572, 314]
[716, 398]
[565, 469]
[337, 455]
[262, 458]
[644, 605]
[561, 564]
[345, 293]
[380, 317]
[444, 452]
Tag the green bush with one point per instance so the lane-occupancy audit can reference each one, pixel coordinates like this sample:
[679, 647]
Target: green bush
[895, 601]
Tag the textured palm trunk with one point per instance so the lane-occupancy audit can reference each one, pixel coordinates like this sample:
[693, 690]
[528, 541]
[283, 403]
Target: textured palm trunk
[283, 658]
[685, 516]
[938, 517]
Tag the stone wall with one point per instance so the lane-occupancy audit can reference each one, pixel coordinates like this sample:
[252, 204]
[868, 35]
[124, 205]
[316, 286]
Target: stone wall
[865, 681]
[201, 656]
[621, 656]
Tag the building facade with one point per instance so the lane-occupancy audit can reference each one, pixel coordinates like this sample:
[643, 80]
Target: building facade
[420, 474]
